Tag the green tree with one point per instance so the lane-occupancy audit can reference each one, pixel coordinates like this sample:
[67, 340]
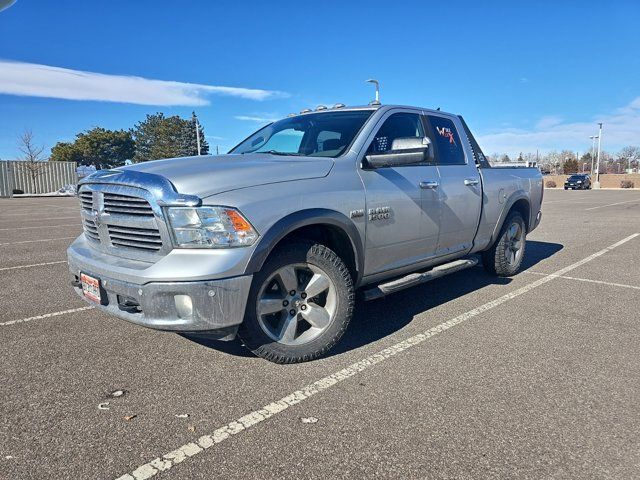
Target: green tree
[570, 166]
[99, 147]
[66, 152]
[585, 161]
[189, 142]
[167, 137]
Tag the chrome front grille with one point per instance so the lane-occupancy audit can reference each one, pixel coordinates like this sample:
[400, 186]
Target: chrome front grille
[124, 221]
[127, 205]
[129, 237]
[86, 200]
[90, 229]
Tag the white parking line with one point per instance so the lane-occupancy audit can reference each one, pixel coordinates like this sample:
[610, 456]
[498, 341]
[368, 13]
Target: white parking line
[46, 315]
[41, 240]
[29, 219]
[43, 226]
[588, 280]
[29, 205]
[32, 265]
[179, 455]
[30, 210]
[612, 204]
[570, 202]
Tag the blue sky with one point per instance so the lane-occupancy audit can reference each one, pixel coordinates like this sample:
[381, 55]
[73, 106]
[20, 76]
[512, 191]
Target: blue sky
[525, 75]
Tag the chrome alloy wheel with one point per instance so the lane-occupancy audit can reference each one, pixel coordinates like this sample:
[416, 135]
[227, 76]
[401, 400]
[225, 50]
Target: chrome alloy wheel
[296, 304]
[514, 239]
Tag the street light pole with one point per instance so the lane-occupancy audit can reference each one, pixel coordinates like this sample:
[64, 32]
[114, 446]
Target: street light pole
[197, 133]
[593, 151]
[597, 183]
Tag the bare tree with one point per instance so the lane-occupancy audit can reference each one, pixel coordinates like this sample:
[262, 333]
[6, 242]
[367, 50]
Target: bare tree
[32, 157]
[630, 154]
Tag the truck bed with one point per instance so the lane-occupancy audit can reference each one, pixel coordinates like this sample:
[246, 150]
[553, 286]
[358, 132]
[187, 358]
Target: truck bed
[500, 186]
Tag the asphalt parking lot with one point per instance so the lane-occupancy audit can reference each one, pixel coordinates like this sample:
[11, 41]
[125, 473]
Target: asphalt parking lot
[469, 376]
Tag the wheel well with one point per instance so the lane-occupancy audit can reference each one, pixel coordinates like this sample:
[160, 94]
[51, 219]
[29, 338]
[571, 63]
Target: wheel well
[331, 236]
[523, 207]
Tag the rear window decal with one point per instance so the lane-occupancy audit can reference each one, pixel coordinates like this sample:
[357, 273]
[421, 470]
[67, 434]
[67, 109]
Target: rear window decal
[447, 133]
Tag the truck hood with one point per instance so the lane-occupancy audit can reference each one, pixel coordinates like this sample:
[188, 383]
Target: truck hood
[208, 175]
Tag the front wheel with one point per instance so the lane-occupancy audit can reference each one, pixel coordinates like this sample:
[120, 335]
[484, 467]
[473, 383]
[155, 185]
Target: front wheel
[300, 304]
[505, 256]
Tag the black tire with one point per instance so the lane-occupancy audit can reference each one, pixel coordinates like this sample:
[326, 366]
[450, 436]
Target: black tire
[255, 337]
[495, 260]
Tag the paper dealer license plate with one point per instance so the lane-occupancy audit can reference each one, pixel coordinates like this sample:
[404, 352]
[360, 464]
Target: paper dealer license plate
[90, 287]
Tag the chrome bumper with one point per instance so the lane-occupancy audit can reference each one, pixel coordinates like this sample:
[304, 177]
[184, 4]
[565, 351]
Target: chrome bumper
[216, 305]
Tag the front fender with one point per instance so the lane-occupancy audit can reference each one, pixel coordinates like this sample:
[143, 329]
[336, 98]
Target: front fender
[303, 218]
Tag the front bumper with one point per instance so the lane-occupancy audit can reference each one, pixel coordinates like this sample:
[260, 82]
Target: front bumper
[537, 221]
[217, 306]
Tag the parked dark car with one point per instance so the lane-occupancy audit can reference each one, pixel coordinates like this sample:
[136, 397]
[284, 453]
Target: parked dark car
[578, 182]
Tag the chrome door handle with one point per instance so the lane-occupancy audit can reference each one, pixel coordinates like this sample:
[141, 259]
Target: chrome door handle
[430, 184]
[471, 181]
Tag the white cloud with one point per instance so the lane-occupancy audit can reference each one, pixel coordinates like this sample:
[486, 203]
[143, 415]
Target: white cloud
[248, 118]
[33, 80]
[548, 122]
[621, 127]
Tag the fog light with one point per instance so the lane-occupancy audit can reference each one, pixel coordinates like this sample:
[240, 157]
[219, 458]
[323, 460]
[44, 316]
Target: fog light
[184, 305]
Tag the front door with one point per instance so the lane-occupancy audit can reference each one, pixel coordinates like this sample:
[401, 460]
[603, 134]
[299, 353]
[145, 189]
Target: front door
[400, 230]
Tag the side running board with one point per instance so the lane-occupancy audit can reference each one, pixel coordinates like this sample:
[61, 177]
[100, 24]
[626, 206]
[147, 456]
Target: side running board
[414, 279]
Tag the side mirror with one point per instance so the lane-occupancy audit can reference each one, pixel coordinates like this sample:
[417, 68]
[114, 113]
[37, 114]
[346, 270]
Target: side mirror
[404, 151]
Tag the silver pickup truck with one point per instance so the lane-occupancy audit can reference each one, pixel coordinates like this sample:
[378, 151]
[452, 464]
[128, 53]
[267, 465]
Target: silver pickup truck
[272, 240]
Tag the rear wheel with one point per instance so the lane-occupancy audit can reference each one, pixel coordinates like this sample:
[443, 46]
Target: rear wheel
[300, 304]
[505, 256]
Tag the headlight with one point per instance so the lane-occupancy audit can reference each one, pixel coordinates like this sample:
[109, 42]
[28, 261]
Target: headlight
[210, 227]
[579, 181]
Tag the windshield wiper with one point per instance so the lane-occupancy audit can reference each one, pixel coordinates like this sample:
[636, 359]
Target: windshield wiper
[276, 152]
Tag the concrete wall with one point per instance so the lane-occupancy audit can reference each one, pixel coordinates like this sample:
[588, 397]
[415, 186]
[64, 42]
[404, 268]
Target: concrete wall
[49, 177]
[607, 180]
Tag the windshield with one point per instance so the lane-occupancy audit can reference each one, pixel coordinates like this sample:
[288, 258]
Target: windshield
[326, 134]
[577, 177]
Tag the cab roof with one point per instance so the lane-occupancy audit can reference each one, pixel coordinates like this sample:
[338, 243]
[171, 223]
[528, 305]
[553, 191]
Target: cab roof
[366, 107]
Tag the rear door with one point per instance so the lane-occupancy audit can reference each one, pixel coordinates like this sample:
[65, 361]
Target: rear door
[460, 190]
[400, 231]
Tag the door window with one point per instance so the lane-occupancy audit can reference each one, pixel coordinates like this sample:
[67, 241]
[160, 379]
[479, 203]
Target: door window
[449, 149]
[398, 125]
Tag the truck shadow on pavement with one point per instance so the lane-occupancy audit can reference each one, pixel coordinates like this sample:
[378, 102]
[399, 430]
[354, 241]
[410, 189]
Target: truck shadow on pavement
[377, 319]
